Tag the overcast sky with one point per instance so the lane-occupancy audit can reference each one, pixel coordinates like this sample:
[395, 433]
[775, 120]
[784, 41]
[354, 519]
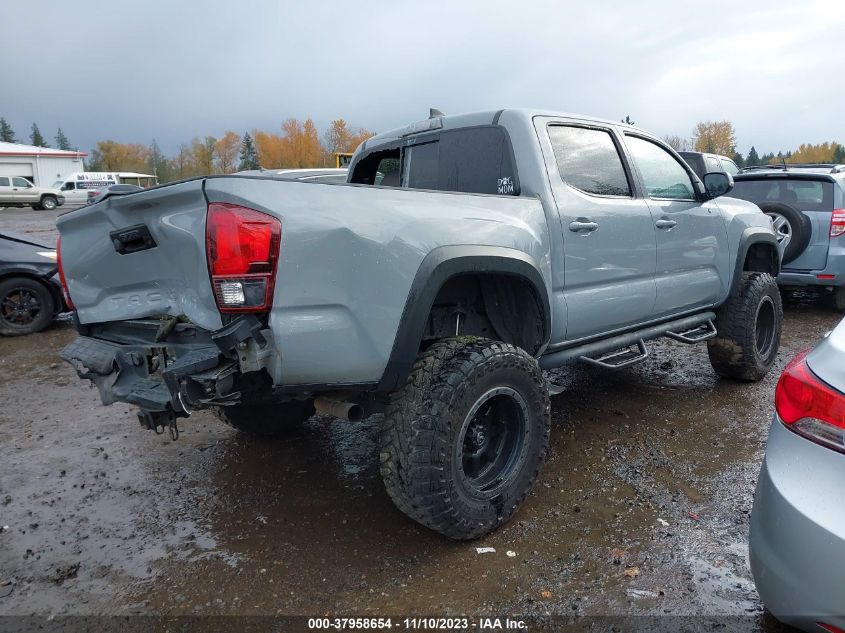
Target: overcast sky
[173, 70]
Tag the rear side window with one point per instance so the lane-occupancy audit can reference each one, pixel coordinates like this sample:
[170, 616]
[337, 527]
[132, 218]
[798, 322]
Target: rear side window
[469, 160]
[588, 160]
[4, 182]
[804, 195]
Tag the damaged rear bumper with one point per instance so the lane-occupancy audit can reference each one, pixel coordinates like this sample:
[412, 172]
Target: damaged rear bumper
[170, 369]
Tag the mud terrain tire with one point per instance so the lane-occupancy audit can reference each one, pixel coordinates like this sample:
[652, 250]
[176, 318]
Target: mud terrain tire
[266, 419]
[749, 326]
[464, 439]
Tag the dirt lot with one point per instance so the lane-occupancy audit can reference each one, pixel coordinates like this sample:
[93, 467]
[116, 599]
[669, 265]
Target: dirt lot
[642, 508]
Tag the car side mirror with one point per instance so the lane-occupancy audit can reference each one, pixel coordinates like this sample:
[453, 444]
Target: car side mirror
[717, 183]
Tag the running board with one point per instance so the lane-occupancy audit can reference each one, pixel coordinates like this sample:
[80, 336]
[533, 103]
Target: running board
[620, 358]
[703, 332]
[685, 327]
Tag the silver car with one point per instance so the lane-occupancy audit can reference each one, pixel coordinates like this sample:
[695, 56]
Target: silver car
[797, 542]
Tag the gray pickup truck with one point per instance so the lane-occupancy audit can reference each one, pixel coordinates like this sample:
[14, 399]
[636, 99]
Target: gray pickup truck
[495, 245]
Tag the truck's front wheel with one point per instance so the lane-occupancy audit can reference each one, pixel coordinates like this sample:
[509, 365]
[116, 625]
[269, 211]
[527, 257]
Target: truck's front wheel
[749, 325]
[266, 419]
[464, 438]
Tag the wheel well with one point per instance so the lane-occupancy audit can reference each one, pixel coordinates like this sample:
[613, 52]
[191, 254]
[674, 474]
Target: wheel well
[498, 306]
[762, 258]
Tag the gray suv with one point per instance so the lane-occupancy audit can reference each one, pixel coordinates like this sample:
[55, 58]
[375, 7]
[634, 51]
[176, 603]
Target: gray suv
[807, 205]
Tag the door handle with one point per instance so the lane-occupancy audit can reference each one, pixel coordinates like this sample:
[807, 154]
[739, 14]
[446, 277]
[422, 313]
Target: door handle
[583, 225]
[665, 223]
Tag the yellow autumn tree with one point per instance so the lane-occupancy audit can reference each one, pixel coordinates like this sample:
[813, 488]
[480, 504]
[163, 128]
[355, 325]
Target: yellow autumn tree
[226, 151]
[809, 153]
[715, 137]
[113, 156]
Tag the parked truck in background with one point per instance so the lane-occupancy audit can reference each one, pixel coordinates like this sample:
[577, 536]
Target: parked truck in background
[16, 191]
[496, 245]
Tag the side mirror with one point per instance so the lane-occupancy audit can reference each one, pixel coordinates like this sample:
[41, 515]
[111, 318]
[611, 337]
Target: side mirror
[717, 183]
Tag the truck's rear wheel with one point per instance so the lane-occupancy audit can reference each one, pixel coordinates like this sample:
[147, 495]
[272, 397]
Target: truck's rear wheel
[266, 419]
[749, 326]
[464, 438]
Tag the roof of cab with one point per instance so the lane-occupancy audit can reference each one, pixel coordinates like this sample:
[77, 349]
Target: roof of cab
[484, 117]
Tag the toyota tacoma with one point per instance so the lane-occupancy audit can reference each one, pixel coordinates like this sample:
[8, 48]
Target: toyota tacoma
[464, 255]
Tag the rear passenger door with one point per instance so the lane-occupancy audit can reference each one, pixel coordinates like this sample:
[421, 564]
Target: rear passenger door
[692, 240]
[608, 233]
[5, 190]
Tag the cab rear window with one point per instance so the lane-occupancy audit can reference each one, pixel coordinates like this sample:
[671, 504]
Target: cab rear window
[804, 195]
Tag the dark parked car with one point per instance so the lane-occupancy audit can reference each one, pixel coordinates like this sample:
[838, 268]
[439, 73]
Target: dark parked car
[95, 195]
[30, 292]
[703, 163]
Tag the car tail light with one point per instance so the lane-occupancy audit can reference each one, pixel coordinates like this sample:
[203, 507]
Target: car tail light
[242, 246]
[62, 280]
[837, 223]
[810, 407]
[830, 627]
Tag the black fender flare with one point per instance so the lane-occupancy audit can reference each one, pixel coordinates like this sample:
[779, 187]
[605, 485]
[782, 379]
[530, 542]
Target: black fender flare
[440, 265]
[751, 236]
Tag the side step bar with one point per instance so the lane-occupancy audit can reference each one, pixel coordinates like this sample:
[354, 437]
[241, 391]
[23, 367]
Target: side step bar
[620, 358]
[605, 352]
[695, 335]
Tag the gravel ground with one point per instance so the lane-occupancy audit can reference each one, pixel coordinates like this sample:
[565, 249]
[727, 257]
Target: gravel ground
[641, 510]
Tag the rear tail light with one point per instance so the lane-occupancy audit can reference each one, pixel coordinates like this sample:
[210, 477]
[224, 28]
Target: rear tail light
[837, 223]
[242, 246]
[810, 407]
[65, 291]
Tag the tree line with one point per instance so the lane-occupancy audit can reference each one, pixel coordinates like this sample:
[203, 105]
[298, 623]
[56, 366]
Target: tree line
[7, 134]
[296, 145]
[719, 137]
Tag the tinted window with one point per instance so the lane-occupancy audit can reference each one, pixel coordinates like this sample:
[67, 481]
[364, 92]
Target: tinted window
[422, 166]
[805, 195]
[469, 160]
[663, 176]
[588, 160]
[20, 182]
[4, 182]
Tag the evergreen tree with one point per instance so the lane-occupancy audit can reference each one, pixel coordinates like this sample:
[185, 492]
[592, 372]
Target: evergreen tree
[753, 158]
[159, 164]
[249, 155]
[36, 137]
[839, 154]
[767, 159]
[738, 159]
[62, 142]
[7, 134]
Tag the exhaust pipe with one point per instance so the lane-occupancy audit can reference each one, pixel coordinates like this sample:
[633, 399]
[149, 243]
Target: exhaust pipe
[344, 410]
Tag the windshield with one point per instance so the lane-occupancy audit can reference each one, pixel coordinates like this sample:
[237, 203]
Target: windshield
[58, 184]
[805, 195]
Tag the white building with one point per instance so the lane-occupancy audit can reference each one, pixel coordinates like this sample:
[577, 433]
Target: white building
[41, 165]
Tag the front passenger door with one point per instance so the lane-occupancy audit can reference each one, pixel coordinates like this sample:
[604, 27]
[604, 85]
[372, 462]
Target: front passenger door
[692, 240]
[23, 191]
